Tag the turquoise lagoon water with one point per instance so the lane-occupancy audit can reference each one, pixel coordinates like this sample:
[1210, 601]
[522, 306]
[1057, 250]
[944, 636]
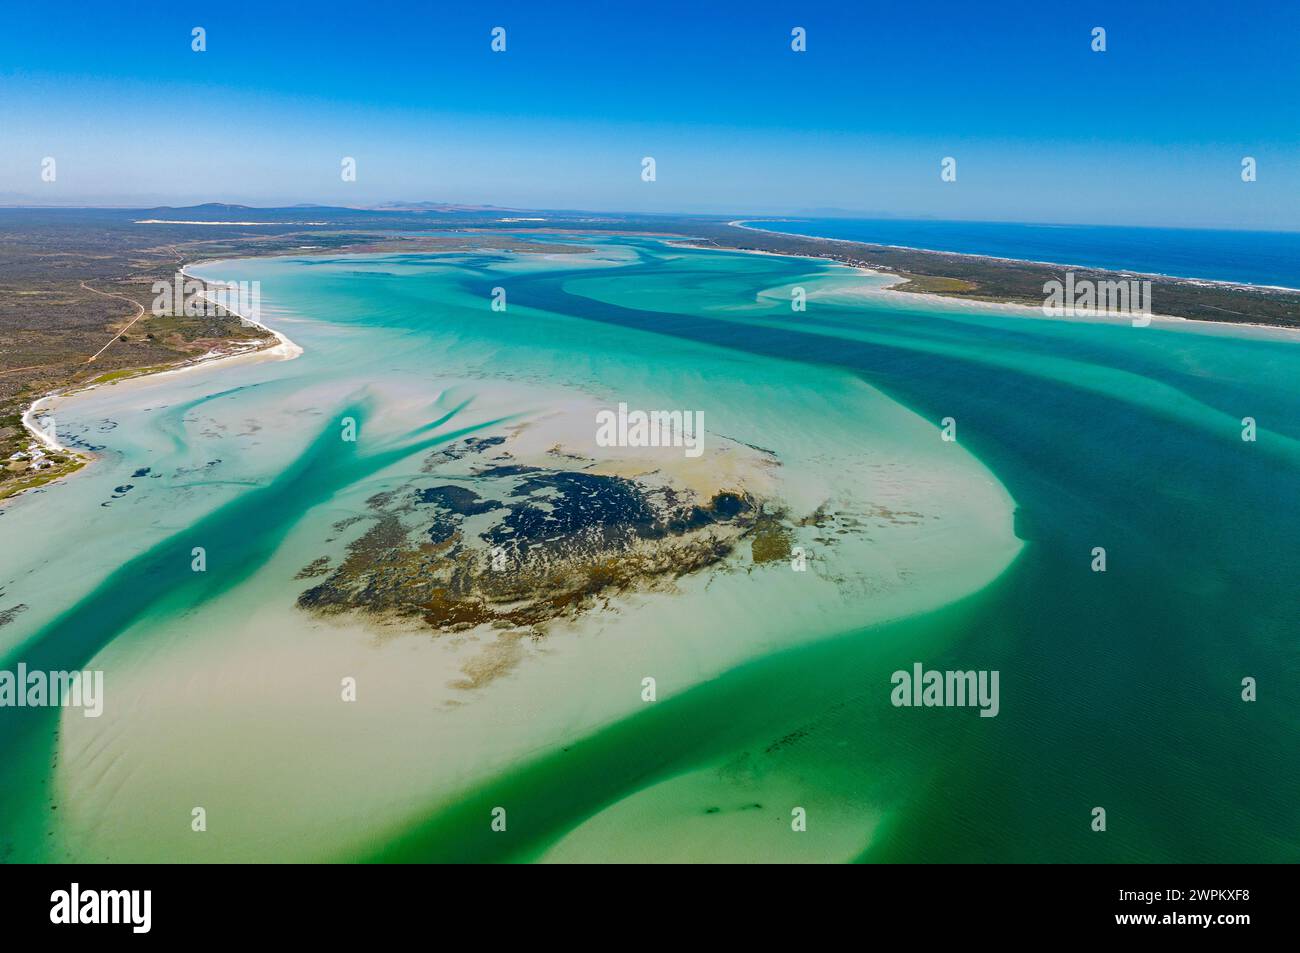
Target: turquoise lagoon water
[1119, 689]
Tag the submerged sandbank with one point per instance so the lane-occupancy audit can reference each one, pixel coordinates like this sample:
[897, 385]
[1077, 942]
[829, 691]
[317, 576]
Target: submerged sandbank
[232, 700]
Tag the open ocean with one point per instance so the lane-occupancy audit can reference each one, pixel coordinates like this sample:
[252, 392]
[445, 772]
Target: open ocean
[1248, 257]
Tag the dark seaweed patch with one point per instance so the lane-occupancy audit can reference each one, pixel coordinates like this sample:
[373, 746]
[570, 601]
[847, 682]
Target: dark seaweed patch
[457, 499]
[569, 538]
[8, 615]
[604, 510]
[507, 470]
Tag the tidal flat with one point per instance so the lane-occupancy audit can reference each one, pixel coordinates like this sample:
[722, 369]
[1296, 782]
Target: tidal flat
[368, 562]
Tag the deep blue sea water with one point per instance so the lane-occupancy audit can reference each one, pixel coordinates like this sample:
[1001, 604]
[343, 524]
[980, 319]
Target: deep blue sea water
[1261, 258]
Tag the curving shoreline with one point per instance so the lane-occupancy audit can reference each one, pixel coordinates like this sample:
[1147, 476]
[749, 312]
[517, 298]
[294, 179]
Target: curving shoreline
[285, 349]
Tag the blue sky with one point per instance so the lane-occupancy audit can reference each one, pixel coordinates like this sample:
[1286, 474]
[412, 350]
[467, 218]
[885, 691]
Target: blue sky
[1151, 132]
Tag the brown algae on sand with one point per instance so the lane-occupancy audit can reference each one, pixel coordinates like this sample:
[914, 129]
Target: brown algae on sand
[486, 536]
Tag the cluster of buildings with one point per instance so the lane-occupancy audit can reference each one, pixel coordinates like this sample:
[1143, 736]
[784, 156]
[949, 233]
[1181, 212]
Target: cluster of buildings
[35, 457]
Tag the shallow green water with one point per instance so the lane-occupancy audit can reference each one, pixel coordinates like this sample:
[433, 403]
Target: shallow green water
[1118, 689]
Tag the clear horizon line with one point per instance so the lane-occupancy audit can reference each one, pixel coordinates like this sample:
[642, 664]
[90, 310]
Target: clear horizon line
[810, 214]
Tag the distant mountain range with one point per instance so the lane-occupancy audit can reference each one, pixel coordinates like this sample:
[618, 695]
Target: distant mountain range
[226, 212]
[441, 207]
